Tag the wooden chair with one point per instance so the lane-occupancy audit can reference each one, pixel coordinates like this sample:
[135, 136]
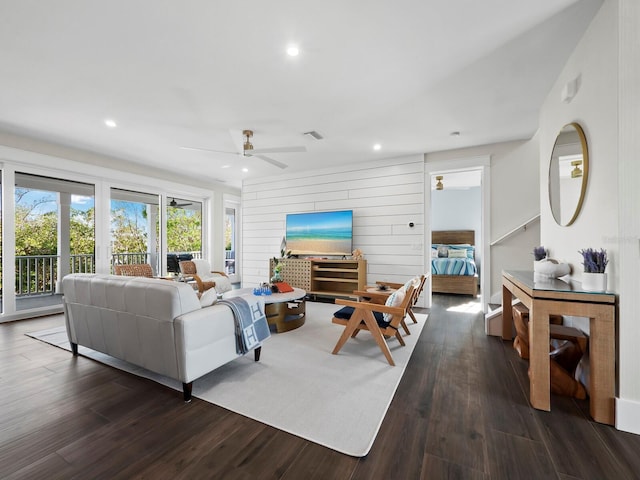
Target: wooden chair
[380, 296]
[370, 316]
[134, 270]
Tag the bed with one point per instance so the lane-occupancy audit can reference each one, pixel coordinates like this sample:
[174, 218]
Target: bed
[459, 273]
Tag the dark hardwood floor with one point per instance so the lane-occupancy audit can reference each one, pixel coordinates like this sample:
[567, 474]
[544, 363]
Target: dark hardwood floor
[460, 412]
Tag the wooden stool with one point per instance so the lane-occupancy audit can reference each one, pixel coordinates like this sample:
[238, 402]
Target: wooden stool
[563, 358]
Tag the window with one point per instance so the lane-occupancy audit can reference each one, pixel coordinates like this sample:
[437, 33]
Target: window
[230, 241]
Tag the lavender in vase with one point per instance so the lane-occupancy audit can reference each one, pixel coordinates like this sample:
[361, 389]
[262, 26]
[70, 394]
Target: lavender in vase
[539, 253]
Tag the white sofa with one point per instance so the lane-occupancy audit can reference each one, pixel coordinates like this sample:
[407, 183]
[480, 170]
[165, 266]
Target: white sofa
[157, 324]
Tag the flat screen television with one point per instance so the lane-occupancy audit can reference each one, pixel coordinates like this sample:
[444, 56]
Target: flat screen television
[320, 233]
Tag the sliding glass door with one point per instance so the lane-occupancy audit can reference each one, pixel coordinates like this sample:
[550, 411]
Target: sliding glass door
[54, 235]
[51, 227]
[135, 228]
[184, 231]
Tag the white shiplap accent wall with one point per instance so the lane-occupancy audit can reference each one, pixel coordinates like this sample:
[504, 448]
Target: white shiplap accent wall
[385, 197]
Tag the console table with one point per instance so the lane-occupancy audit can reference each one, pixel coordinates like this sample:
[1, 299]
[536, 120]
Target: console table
[551, 296]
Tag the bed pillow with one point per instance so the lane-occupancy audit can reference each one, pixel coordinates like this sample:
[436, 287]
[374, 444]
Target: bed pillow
[469, 249]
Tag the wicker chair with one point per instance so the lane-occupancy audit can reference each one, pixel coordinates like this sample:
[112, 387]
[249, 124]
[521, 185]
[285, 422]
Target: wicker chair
[134, 270]
[188, 268]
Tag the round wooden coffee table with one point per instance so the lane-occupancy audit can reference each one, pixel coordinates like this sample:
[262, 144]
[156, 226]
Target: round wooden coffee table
[284, 311]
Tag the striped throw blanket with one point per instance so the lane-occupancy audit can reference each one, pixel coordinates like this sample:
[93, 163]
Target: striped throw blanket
[251, 323]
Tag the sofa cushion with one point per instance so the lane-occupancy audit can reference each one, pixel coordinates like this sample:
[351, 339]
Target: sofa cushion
[345, 314]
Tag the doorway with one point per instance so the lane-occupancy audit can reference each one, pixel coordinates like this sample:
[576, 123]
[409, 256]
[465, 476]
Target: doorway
[462, 203]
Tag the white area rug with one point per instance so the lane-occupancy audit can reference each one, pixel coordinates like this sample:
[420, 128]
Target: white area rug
[298, 386]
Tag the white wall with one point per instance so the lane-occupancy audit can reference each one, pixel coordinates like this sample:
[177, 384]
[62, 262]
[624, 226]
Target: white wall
[606, 106]
[88, 159]
[385, 197]
[595, 109]
[456, 209]
[628, 404]
[515, 198]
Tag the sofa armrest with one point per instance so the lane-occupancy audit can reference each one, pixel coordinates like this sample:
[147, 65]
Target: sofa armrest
[205, 339]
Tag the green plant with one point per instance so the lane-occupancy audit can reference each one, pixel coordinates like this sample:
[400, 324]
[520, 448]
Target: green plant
[594, 261]
[278, 262]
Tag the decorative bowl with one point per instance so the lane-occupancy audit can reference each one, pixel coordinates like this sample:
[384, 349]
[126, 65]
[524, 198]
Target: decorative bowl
[551, 268]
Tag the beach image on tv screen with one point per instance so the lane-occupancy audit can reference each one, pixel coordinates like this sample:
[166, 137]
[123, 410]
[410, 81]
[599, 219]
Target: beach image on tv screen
[327, 233]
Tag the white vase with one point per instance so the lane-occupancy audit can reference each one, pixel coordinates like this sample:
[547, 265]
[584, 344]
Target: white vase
[594, 282]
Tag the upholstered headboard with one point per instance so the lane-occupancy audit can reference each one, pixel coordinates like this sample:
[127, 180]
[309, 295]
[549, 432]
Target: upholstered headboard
[453, 237]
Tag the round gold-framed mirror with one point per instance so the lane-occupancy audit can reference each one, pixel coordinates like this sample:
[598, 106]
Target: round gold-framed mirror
[568, 174]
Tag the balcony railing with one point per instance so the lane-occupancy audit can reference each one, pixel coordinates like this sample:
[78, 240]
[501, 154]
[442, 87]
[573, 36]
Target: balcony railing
[37, 274]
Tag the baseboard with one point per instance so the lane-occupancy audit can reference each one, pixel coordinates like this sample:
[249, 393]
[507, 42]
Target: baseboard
[628, 415]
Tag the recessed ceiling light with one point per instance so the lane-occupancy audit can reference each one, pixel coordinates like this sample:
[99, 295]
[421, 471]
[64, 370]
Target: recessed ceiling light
[110, 123]
[245, 169]
[455, 134]
[377, 146]
[293, 51]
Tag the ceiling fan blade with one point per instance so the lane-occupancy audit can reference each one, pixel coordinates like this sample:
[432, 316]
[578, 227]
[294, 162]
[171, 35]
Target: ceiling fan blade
[209, 150]
[271, 161]
[300, 148]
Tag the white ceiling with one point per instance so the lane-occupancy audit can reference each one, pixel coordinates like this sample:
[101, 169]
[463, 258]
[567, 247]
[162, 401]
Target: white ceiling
[402, 73]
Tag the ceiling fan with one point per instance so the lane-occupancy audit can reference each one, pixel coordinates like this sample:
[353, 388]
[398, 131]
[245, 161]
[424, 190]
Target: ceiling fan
[249, 151]
[175, 204]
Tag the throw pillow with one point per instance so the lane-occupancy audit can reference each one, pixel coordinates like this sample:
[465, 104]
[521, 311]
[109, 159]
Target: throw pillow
[209, 297]
[203, 268]
[412, 281]
[394, 300]
[443, 251]
[457, 253]
[223, 284]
